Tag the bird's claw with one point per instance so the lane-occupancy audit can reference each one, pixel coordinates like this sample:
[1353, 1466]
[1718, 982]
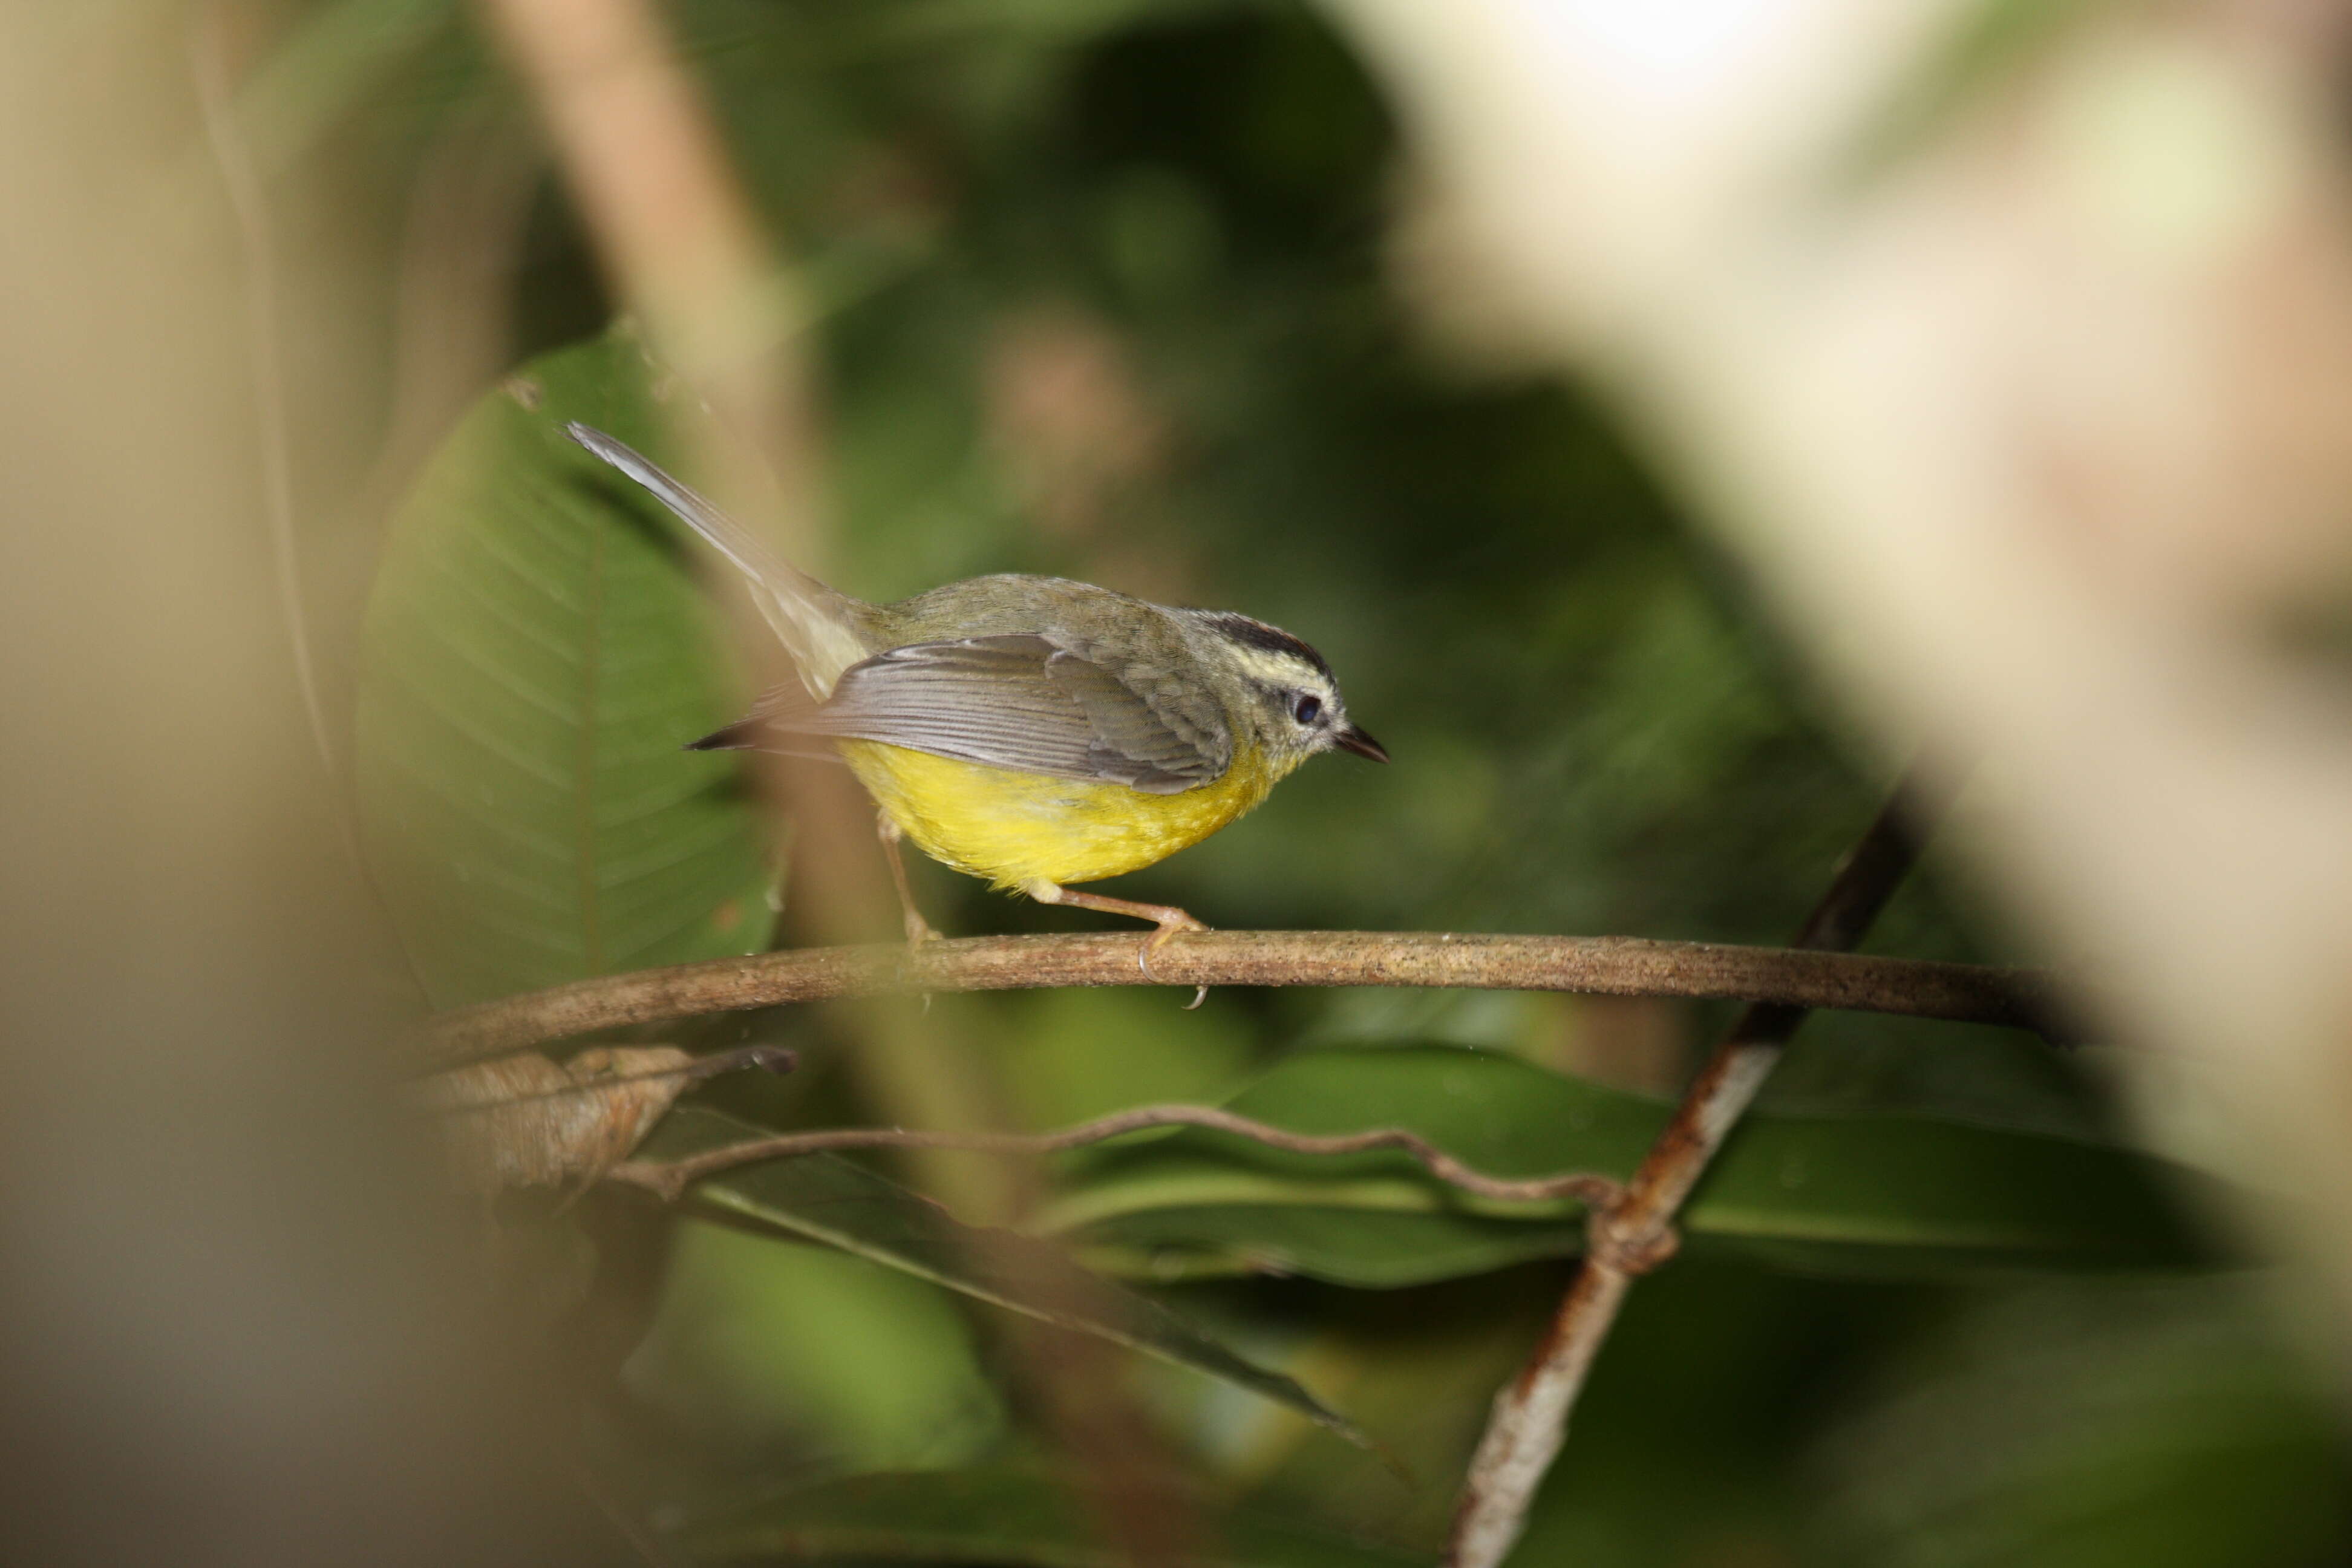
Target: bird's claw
[1159, 939]
[920, 935]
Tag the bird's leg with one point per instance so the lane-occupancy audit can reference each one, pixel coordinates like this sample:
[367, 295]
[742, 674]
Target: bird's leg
[918, 930]
[1167, 917]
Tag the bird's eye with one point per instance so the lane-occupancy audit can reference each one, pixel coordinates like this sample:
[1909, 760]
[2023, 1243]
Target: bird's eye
[1307, 707]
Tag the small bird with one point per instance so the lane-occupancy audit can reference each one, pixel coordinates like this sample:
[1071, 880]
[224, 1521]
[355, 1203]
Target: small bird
[1031, 730]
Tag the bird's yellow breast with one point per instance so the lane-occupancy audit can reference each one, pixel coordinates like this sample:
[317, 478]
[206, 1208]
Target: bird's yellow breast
[1015, 828]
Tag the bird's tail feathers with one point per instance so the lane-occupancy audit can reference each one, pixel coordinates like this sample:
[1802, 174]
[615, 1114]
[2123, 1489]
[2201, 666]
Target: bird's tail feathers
[813, 620]
[751, 735]
[781, 721]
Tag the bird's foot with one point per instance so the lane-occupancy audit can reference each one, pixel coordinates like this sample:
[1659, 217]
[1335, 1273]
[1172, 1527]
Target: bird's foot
[1167, 917]
[1171, 920]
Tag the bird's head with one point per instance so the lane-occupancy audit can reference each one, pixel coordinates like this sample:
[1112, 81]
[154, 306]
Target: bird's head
[1279, 688]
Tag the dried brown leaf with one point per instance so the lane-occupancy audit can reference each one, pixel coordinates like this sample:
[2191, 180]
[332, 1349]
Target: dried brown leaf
[525, 1120]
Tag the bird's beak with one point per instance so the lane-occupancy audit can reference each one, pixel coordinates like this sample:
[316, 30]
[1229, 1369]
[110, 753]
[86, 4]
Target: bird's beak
[1354, 740]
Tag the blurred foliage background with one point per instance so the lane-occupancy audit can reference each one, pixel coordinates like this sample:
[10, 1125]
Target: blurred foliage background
[1132, 291]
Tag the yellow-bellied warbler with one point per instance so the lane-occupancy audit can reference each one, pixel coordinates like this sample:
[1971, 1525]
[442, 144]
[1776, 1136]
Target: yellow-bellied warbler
[1032, 731]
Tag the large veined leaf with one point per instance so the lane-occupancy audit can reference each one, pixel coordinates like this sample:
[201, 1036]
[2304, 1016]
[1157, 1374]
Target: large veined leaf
[999, 1515]
[1886, 1194]
[536, 652]
[825, 1198]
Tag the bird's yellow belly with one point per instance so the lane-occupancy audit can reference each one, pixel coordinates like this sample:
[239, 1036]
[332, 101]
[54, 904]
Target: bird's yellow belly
[1015, 828]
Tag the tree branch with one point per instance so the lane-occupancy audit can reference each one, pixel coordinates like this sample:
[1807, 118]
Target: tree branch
[671, 1178]
[1530, 1416]
[1610, 966]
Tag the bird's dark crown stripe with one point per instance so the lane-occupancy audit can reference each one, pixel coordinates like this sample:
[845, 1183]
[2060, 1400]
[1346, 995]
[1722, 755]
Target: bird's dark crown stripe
[1258, 635]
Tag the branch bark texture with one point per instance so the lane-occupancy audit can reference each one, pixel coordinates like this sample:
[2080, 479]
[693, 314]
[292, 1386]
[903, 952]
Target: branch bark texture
[1610, 966]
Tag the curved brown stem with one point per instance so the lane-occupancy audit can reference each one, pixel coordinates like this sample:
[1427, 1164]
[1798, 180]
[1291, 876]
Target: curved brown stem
[671, 1178]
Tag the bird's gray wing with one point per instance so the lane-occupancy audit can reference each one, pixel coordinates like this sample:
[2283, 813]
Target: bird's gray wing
[1019, 702]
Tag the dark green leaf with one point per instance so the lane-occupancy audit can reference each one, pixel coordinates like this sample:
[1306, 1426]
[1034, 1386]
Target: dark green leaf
[2072, 1427]
[1000, 1516]
[536, 652]
[822, 1197]
[1870, 1194]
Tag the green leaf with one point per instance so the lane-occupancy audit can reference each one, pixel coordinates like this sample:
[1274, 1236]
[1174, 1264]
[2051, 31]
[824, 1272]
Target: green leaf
[2079, 1429]
[536, 652]
[825, 1198]
[1884, 1194]
[759, 1342]
[1000, 1515]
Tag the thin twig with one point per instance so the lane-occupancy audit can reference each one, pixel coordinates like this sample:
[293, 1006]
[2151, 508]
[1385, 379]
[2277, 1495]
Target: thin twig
[671, 1178]
[1634, 1236]
[1603, 965]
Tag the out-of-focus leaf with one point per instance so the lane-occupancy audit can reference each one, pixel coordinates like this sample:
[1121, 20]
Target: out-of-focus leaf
[759, 1343]
[524, 1122]
[1073, 1054]
[998, 1516]
[2075, 1428]
[329, 65]
[1418, 1369]
[1845, 1064]
[535, 653]
[1032, 23]
[1869, 1195]
[1987, 42]
[821, 1197]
